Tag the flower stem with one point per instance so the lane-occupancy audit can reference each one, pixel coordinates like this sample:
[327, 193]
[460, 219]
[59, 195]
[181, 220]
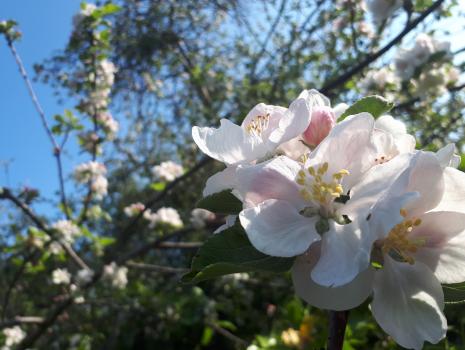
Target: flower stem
[337, 327]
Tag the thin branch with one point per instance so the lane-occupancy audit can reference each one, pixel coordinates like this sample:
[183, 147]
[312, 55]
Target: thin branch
[332, 84]
[21, 320]
[38, 107]
[5, 193]
[180, 245]
[157, 268]
[227, 334]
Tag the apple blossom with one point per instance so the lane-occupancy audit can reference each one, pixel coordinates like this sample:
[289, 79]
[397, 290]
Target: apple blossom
[87, 171]
[134, 209]
[13, 336]
[61, 276]
[382, 9]
[116, 275]
[264, 128]
[200, 217]
[67, 229]
[84, 276]
[167, 171]
[288, 206]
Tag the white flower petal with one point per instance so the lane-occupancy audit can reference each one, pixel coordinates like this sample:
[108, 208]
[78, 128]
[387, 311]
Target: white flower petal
[342, 258]
[447, 156]
[274, 179]
[276, 228]
[444, 248]
[348, 146]
[345, 297]
[391, 125]
[454, 191]
[223, 180]
[339, 109]
[408, 303]
[227, 144]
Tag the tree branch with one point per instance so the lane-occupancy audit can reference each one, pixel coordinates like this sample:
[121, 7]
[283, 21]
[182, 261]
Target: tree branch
[332, 84]
[337, 326]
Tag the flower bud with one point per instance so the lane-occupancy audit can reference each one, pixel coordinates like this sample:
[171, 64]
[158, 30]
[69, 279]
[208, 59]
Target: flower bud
[323, 120]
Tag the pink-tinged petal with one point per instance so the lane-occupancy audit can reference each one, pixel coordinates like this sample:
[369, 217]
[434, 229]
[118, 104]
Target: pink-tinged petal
[447, 156]
[408, 303]
[297, 118]
[391, 125]
[274, 179]
[453, 198]
[223, 180]
[276, 228]
[443, 251]
[345, 297]
[342, 257]
[227, 144]
[348, 146]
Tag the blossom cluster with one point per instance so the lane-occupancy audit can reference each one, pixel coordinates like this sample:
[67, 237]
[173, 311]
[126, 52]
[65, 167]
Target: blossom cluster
[116, 275]
[167, 171]
[166, 216]
[94, 173]
[13, 336]
[364, 214]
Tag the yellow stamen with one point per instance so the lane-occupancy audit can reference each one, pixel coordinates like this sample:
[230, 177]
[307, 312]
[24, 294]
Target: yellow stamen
[258, 124]
[399, 244]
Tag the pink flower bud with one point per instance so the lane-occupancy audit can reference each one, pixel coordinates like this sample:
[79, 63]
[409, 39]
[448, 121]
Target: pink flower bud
[323, 120]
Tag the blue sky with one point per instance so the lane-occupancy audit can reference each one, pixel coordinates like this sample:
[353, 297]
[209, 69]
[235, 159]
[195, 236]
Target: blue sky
[46, 25]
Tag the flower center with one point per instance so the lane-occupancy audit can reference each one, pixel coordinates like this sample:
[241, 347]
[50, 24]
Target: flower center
[258, 124]
[316, 189]
[398, 244]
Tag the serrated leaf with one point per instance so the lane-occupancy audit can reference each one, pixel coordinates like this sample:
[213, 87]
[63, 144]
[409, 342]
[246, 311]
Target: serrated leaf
[231, 252]
[222, 202]
[375, 105]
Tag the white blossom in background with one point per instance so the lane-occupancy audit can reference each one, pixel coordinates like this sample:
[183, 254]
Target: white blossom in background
[13, 336]
[116, 275]
[61, 276]
[436, 79]
[99, 187]
[378, 79]
[84, 276]
[169, 216]
[86, 11]
[200, 217]
[109, 125]
[382, 9]
[134, 209]
[55, 248]
[167, 171]
[67, 229]
[407, 60]
[94, 173]
[87, 171]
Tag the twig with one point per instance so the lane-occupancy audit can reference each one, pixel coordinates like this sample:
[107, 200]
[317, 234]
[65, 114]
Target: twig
[5, 193]
[21, 320]
[337, 327]
[35, 100]
[227, 334]
[180, 245]
[157, 268]
[371, 58]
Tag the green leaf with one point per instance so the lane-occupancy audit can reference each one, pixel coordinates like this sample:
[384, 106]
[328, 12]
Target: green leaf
[375, 105]
[222, 202]
[231, 252]
[454, 293]
[158, 186]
